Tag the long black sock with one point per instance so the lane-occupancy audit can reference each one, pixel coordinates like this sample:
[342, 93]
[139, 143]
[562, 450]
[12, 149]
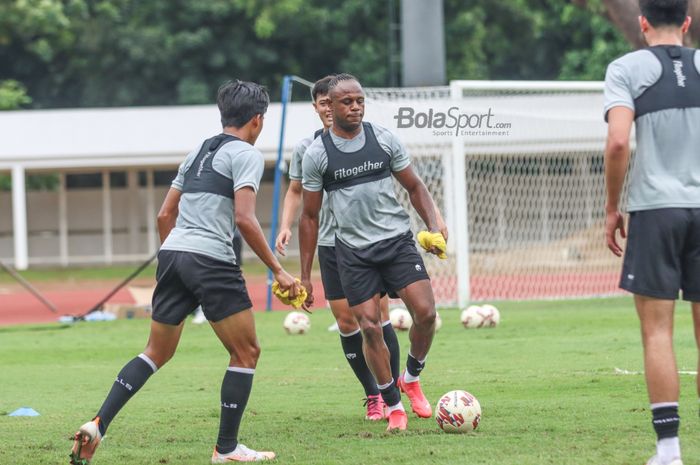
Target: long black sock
[666, 421]
[352, 348]
[390, 393]
[235, 390]
[413, 366]
[392, 342]
[132, 377]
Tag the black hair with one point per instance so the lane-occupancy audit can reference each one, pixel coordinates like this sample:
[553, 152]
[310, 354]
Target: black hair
[321, 86]
[240, 101]
[661, 13]
[338, 78]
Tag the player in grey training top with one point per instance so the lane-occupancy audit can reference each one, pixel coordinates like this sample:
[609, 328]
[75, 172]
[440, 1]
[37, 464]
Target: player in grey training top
[353, 164]
[197, 266]
[657, 89]
[350, 335]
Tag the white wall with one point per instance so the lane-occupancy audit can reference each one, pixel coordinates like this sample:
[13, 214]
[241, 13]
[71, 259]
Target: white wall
[85, 238]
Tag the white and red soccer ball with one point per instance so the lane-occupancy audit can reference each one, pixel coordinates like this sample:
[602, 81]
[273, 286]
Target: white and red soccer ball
[458, 412]
[480, 316]
[297, 323]
[400, 319]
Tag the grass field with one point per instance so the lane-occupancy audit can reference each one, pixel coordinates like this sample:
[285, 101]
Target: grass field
[545, 378]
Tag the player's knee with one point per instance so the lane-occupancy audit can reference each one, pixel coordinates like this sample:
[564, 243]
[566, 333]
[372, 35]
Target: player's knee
[253, 353]
[371, 331]
[347, 324]
[246, 357]
[424, 317]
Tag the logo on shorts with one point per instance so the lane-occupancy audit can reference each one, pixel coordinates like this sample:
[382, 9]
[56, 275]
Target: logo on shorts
[630, 277]
[351, 356]
[418, 268]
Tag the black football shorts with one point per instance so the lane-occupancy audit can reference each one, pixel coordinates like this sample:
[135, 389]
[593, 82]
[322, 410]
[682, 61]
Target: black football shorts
[186, 280]
[663, 254]
[389, 265]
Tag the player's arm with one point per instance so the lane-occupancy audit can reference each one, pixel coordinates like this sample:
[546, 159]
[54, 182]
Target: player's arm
[167, 216]
[419, 196]
[308, 237]
[292, 201]
[248, 225]
[617, 154]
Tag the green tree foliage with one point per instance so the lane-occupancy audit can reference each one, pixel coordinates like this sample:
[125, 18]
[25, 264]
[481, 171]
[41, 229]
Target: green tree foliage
[12, 95]
[163, 52]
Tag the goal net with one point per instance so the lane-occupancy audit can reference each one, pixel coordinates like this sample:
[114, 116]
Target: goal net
[516, 169]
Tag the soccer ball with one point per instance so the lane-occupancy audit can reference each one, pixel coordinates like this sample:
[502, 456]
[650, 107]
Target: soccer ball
[297, 323]
[438, 322]
[400, 319]
[472, 317]
[458, 412]
[491, 316]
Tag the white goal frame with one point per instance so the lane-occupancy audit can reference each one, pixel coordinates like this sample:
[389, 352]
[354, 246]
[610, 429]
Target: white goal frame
[458, 224]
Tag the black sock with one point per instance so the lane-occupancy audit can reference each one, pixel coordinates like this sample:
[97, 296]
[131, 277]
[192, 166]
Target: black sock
[352, 348]
[128, 382]
[235, 390]
[666, 421]
[391, 394]
[413, 366]
[392, 342]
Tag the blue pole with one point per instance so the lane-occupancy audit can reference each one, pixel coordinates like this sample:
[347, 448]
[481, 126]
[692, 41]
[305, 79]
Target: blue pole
[286, 90]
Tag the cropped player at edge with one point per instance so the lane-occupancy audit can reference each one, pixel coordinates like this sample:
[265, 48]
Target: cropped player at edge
[197, 266]
[658, 90]
[353, 163]
[350, 335]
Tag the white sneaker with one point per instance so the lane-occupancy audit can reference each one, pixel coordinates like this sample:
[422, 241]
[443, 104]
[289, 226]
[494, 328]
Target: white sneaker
[241, 454]
[655, 461]
[199, 317]
[85, 441]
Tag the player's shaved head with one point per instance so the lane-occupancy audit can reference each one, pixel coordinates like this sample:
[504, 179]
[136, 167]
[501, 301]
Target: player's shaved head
[343, 82]
[347, 103]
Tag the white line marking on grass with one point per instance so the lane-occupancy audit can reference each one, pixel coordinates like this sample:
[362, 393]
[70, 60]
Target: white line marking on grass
[620, 371]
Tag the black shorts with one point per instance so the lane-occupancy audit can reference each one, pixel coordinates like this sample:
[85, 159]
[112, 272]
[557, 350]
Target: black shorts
[663, 254]
[187, 279]
[332, 287]
[391, 265]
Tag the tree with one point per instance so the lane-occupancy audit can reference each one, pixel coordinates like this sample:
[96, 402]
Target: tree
[13, 95]
[623, 14]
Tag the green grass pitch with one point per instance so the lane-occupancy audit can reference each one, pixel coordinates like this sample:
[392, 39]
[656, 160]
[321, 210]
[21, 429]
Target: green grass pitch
[545, 378]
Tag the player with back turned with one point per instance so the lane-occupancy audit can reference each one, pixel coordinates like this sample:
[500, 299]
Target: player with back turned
[352, 164]
[658, 90]
[197, 266]
[350, 335]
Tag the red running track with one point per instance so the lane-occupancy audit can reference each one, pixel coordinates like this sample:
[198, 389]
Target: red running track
[22, 307]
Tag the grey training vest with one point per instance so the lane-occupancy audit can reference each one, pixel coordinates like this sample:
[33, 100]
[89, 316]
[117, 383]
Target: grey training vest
[202, 177]
[679, 84]
[345, 169]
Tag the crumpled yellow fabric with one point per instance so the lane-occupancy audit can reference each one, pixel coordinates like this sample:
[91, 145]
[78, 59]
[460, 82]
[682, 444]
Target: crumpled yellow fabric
[296, 302]
[428, 240]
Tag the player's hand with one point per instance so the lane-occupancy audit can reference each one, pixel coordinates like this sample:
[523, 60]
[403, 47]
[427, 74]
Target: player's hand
[282, 241]
[433, 242]
[287, 283]
[308, 303]
[614, 221]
